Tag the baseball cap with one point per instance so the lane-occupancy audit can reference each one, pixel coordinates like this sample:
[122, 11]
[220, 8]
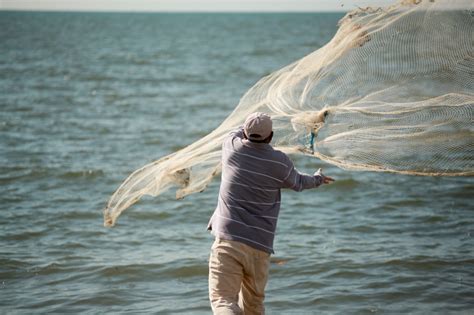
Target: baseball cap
[258, 126]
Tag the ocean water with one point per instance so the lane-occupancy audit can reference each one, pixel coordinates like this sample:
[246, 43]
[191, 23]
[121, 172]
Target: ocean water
[86, 98]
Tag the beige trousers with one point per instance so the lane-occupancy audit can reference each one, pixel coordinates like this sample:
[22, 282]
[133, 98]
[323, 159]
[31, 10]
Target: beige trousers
[237, 277]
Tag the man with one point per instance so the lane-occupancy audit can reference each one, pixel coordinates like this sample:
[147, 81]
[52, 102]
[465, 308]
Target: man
[246, 215]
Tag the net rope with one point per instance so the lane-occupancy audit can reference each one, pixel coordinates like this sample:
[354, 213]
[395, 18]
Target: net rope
[392, 91]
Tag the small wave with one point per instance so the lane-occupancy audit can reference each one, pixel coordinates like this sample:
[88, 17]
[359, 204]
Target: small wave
[51, 268]
[346, 274]
[22, 173]
[404, 203]
[345, 251]
[462, 192]
[83, 173]
[197, 270]
[24, 236]
[16, 173]
[145, 272]
[263, 52]
[11, 264]
[154, 141]
[97, 78]
[306, 227]
[434, 219]
[104, 299]
[140, 62]
[78, 215]
[344, 184]
[427, 263]
[129, 270]
[363, 229]
[72, 245]
[146, 216]
[306, 284]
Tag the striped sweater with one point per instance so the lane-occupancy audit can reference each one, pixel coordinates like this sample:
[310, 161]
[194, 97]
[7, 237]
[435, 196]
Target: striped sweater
[249, 196]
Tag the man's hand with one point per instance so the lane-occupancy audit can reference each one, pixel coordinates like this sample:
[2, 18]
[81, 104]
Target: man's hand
[326, 179]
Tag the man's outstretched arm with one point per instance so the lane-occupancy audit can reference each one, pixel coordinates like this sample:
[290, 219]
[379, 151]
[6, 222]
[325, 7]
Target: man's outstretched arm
[300, 181]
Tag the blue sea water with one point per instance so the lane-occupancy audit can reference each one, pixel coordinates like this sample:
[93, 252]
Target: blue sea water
[86, 98]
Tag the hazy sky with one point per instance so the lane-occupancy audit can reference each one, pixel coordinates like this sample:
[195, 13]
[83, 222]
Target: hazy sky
[190, 5]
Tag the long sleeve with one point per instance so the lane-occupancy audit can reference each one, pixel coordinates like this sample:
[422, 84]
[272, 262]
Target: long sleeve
[300, 181]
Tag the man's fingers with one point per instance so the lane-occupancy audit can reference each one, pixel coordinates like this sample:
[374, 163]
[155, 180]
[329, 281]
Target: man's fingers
[328, 180]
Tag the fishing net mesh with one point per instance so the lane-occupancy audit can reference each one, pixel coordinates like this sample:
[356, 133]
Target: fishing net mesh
[392, 91]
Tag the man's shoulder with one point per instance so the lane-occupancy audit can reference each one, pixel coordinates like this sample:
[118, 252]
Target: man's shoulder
[280, 156]
[278, 153]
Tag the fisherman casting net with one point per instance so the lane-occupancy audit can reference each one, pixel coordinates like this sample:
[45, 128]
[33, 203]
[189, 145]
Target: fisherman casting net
[392, 91]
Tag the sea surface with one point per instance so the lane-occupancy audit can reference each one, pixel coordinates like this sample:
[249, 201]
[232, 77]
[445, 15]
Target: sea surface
[87, 98]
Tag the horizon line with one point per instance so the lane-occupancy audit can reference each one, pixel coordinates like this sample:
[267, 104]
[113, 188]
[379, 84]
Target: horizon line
[170, 11]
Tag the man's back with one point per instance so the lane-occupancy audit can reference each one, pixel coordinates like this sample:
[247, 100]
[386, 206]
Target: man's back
[249, 196]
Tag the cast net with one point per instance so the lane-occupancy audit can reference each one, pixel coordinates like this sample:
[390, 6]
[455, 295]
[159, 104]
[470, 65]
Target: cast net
[392, 91]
